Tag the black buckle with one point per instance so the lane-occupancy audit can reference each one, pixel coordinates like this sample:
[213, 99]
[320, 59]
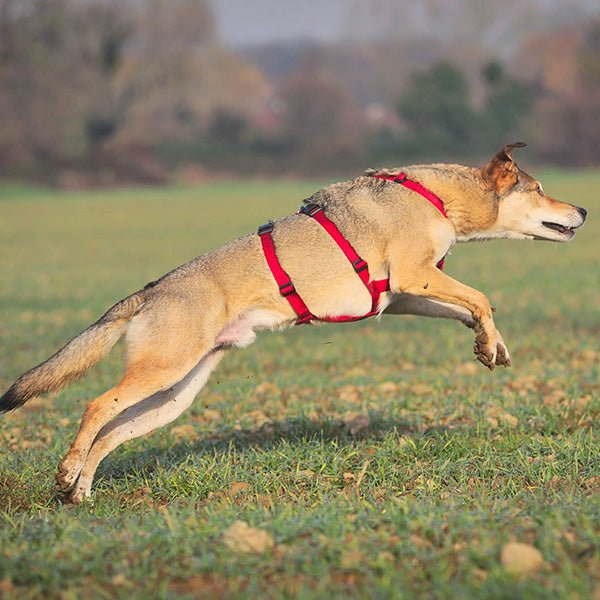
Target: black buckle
[287, 289]
[359, 265]
[401, 179]
[310, 209]
[266, 228]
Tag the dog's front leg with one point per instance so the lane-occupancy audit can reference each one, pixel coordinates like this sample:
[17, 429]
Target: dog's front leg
[431, 283]
[405, 304]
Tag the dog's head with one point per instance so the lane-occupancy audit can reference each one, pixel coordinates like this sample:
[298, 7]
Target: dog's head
[524, 210]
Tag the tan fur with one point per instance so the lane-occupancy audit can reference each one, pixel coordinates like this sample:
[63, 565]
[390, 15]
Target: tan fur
[178, 327]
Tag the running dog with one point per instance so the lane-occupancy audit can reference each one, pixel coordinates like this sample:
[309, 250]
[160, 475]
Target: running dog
[359, 248]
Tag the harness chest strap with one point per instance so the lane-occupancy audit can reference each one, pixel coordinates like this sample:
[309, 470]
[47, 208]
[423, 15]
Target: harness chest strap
[402, 179]
[360, 266]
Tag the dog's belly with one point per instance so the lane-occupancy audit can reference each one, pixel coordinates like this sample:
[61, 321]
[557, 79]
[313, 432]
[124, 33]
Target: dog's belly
[241, 331]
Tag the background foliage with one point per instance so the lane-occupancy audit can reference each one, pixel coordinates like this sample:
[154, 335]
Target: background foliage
[101, 92]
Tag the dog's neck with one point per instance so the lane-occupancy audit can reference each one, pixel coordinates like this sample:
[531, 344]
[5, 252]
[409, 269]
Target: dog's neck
[470, 205]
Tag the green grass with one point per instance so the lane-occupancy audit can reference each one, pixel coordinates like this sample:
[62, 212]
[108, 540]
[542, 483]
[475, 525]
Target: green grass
[454, 463]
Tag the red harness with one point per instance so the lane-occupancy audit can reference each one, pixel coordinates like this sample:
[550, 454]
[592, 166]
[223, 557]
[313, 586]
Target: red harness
[361, 268]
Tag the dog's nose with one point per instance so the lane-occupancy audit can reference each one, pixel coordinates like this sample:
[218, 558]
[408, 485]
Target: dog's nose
[582, 212]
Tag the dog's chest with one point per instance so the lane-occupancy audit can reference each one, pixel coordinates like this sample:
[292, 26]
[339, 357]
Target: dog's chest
[443, 237]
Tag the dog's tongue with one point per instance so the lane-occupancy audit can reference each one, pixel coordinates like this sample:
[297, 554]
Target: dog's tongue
[556, 227]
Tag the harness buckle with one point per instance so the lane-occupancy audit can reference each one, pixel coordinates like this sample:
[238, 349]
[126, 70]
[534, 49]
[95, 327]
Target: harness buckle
[287, 289]
[310, 209]
[265, 228]
[304, 318]
[401, 178]
[359, 265]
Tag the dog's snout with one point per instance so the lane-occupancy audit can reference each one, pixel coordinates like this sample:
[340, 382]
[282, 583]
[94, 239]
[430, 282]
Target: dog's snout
[582, 212]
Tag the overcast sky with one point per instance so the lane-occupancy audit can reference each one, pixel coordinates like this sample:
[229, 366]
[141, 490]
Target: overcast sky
[246, 22]
[257, 21]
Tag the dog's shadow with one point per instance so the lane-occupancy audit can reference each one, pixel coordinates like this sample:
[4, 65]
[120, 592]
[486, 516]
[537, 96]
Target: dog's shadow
[294, 431]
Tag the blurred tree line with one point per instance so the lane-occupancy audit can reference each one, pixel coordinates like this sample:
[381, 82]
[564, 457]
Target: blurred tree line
[104, 91]
[438, 113]
[95, 85]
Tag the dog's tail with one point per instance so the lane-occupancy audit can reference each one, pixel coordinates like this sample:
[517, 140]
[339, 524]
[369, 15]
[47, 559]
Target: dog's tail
[74, 359]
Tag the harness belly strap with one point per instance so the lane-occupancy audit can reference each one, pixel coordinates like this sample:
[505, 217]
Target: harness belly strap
[286, 287]
[360, 266]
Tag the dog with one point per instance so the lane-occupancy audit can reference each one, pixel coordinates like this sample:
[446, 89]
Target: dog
[179, 327]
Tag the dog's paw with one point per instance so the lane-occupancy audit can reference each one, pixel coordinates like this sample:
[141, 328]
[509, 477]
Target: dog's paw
[502, 354]
[81, 493]
[68, 471]
[485, 357]
[490, 349]
[485, 349]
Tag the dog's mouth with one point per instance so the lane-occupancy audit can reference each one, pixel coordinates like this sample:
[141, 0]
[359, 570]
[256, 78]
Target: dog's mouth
[564, 230]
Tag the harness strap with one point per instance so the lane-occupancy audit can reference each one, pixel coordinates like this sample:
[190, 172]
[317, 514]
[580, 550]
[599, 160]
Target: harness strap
[360, 266]
[286, 287]
[403, 179]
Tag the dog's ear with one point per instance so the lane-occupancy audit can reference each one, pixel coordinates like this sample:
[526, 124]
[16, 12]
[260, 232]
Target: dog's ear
[501, 172]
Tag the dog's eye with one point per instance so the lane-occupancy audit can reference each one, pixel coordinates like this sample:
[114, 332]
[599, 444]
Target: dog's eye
[539, 190]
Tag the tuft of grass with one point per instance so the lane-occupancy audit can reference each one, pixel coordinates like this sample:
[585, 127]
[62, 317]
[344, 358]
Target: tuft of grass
[383, 461]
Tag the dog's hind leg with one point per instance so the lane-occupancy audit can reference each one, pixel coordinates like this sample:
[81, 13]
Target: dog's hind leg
[133, 388]
[144, 417]
[164, 345]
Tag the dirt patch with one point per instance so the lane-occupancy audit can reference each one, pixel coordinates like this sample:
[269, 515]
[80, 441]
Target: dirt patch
[207, 586]
[13, 497]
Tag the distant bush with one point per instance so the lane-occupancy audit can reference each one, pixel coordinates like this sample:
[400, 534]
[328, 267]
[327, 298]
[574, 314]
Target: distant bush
[436, 108]
[227, 126]
[439, 117]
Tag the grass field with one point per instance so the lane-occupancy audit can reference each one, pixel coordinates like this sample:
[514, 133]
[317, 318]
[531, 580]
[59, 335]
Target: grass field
[383, 461]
